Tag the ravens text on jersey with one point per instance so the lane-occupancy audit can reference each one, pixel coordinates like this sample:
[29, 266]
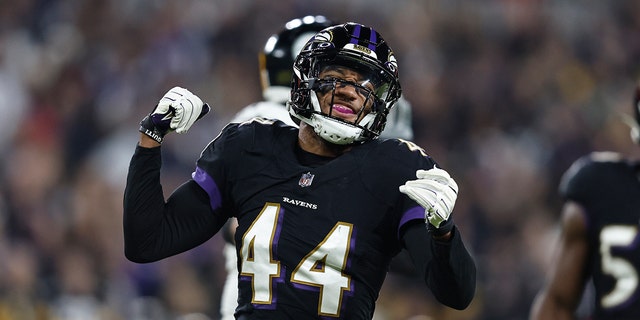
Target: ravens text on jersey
[311, 242]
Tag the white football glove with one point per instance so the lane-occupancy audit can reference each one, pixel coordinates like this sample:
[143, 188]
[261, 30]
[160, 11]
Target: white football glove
[435, 191]
[185, 105]
[176, 111]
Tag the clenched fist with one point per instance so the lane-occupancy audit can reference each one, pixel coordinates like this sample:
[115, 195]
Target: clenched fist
[437, 192]
[177, 111]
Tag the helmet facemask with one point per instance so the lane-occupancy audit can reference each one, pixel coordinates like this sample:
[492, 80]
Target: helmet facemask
[335, 129]
[378, 84]
[370, 113]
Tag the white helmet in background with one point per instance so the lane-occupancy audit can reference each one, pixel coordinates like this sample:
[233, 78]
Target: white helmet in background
[279, 53]
[399, 121]
[276, 68]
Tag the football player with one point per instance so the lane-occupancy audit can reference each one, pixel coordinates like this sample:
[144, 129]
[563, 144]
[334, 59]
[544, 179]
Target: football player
[321, 208]
[599, 238]
[276, 71]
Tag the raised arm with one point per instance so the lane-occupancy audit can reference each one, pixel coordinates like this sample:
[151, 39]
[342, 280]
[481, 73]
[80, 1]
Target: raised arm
[155, 228]
[436, 246]
[445, 265]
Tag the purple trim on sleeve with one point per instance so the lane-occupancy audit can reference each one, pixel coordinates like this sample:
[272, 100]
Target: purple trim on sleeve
[414, 213]
[207, 183]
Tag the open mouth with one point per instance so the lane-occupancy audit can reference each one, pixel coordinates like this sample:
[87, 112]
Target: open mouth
[342, 109]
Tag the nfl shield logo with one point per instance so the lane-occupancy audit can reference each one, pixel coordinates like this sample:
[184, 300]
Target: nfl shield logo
[306, 179]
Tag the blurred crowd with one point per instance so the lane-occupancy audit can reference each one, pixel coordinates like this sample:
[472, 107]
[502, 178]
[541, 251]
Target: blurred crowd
[506, 94]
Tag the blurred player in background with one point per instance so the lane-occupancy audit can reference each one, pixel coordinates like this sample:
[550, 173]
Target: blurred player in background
[276, 69]
[599, 239]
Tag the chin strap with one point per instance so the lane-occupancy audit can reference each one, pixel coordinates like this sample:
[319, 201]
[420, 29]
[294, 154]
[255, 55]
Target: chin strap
[335, 131]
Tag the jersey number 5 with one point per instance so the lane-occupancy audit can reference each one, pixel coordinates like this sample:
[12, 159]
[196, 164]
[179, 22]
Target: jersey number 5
[322, 268]
[624, 272]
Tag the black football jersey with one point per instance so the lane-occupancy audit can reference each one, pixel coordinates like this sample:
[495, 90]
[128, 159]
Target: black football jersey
[313, 241]
[609, 190]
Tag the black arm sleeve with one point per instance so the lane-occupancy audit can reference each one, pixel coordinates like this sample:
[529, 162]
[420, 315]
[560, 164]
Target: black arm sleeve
[155, 229]
[446, 267]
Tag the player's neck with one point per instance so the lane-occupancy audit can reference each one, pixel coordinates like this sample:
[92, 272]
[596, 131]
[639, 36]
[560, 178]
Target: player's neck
[310, 142]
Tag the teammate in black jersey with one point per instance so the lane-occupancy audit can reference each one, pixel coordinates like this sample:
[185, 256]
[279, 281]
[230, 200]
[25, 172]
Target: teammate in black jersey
[599, 240]
[323, 208]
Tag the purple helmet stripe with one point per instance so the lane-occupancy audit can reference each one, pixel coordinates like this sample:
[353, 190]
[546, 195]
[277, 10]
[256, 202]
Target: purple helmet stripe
[373, 40]
[356, 34]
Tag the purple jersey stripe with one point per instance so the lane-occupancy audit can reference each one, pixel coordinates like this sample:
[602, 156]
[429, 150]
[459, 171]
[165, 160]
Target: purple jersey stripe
[409, 215]
[209, 185]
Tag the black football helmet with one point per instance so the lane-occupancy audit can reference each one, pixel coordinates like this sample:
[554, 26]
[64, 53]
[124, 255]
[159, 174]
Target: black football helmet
[357, 47]
[276, 59]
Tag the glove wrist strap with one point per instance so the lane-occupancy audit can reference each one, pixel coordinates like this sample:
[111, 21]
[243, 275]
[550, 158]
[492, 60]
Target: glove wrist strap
[149, 129]
[445, 227]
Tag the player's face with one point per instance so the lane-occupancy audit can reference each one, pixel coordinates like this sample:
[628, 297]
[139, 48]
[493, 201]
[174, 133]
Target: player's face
[352, 97]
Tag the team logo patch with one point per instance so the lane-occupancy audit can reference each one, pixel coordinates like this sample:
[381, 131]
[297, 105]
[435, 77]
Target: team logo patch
[306, 179]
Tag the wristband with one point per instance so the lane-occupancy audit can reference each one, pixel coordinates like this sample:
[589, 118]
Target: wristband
[445, 227]
[155, 126]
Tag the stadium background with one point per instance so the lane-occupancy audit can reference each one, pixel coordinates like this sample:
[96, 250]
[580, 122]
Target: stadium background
[506, 94]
